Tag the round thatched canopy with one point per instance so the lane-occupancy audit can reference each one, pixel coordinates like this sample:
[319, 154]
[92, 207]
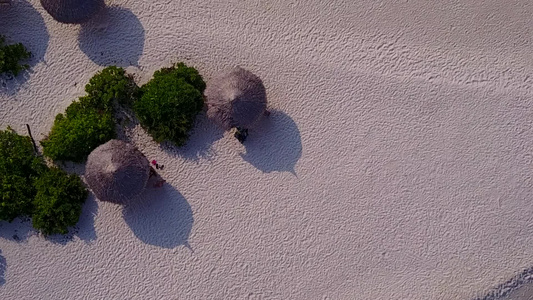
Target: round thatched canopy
[236, 99]
[116, 171]
[72, 11]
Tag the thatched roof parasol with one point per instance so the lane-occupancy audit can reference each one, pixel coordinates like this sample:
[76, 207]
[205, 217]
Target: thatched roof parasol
[72, 11]
[236, 99]
[116, 171]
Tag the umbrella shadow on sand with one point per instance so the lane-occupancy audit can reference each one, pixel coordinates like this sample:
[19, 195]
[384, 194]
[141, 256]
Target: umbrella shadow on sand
[520, 287]
[276, 145]
[114, 37]
[22, 23]
[3, 267]
[160, 216]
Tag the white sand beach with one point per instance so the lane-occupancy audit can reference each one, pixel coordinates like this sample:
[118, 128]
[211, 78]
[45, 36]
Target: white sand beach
[396, 164]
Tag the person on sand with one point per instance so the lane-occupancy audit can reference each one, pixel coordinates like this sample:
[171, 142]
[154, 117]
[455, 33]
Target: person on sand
[157, 166]
[159, 183]
[241, 134]
[152, 173]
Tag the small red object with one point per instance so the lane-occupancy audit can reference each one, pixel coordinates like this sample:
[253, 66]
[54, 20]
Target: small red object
[154, 162]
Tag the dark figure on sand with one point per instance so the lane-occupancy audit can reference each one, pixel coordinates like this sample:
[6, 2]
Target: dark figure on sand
[241, 134]
[160, 181]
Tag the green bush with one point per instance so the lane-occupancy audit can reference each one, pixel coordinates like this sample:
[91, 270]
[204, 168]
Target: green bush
[29, 188]
[11, 56]
[170, 102]
[18, 169]
[189, 74]
[89, 122]
[79, 131]
[58, 202]
[107, 87]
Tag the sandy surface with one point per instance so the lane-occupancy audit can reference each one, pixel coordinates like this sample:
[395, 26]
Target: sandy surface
[396, 164]
[525, 293]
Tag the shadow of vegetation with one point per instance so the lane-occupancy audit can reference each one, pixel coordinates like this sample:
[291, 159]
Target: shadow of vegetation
[22, 23]
[72, 167]
[18, 230]
[114, 37]
[160, 217]
[275, 146]
[21, 228]
[84, 229]
[3, 267]
[199, 145]
[125, 123]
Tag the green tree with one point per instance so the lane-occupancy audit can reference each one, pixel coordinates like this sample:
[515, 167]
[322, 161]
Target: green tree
[11, 56]
[19, 167]
[170, 102]
[107, 88]
[58, 202]
[76, 133]
[89, 122]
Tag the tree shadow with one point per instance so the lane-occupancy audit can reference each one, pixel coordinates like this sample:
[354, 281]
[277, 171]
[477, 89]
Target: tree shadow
[199, 145]
[84, 229]
[22, 23]
[275, 146]
[71, 167]
[20, 229]
[3, 267]
[161, 217]
[113, 37]
[125, 123]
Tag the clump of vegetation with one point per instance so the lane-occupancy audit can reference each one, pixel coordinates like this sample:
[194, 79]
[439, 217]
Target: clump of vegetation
[11, 57]
[29, 188]
[79, 131]
[89, 122]
[58, 202]
[107, 88]
[170, 102]
[19, 167]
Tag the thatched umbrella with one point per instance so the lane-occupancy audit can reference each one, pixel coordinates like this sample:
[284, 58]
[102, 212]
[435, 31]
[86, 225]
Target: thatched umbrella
[72, 11]
[116, 171]
[236, 99]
